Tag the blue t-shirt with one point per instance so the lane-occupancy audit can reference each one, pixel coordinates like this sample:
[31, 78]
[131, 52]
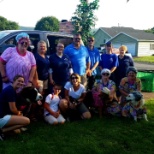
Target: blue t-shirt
[79, 58]
[94, 57]
[7, 95]
[124, 63]
[43, 65]
[109, 61]
[60, 67]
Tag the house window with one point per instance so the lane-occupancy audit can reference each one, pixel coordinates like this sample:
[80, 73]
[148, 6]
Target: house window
[151, 46]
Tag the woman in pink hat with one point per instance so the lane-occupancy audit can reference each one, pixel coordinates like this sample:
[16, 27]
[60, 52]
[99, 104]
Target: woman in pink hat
[17, 60]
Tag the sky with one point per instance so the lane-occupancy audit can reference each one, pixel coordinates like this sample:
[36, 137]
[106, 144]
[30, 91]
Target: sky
[136, 13]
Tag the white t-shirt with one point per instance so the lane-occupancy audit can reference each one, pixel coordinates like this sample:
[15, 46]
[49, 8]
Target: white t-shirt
[53, 101]
[75, 94]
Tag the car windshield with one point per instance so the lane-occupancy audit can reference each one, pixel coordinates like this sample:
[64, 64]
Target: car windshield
[3, 34]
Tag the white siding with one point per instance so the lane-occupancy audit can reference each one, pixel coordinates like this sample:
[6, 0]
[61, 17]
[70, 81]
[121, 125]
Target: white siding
[144, 49]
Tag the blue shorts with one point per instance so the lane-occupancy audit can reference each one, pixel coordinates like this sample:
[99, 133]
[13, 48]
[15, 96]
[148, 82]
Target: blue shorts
[4, 120]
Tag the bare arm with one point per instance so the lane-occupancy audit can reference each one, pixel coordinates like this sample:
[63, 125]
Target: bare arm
[87, 67]
[51, 79]
[32, 73]
[94, 67]
[13, 108]
[113, 69]
[67, 95]
[2, 69]
[121, 90]
[3, 72]
[47, 107]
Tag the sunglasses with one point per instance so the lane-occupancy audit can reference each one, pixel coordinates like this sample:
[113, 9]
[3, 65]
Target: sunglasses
[90, 40]
[22, 43]
[74, 78]
[77, 39]
[105, 74]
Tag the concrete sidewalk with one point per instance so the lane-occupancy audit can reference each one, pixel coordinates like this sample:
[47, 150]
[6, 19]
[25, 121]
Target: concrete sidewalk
[144, 66]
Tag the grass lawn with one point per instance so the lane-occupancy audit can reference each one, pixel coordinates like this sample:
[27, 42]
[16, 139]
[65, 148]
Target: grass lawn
[148, 59]
[96, 136]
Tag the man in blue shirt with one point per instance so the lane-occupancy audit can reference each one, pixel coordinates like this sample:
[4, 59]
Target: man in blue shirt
[79, 57]
[109, 60]
[94, 58]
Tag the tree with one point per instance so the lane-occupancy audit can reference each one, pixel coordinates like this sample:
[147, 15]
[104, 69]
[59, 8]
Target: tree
[49, 23]
[7, 25]
[84, 19]
[150, 30]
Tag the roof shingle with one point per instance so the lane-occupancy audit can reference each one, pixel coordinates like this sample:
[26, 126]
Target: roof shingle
[135, 33]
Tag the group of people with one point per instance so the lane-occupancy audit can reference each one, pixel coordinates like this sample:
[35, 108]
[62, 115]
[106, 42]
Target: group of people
[63, 79]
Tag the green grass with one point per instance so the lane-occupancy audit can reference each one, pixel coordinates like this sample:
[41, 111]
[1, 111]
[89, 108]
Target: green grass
[147, 59]
[95, 136]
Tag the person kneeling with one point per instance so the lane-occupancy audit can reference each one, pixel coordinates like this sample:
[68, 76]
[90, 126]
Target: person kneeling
[10, 117]
[74, 94]
[51, 107]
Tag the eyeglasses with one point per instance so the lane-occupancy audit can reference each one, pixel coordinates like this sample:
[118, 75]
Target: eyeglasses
[22, 43]
[90, 40]
[105, 74]
[60, 47]
[74, 77]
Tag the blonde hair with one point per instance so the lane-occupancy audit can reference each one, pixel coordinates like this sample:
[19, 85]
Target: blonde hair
[76, 75]
[41, 42]
[123, 47]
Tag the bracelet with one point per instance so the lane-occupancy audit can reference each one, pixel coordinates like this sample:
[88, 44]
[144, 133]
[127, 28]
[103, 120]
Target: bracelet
[4, 77]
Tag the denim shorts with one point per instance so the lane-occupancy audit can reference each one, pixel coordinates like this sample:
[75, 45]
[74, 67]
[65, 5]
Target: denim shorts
[4, 120]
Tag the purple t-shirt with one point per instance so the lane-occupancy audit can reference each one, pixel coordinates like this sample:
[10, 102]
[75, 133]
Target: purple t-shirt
[17, 64]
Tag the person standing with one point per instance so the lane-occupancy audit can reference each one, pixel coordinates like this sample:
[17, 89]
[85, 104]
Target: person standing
[124, 63]
[43, 65]
[94, 58]
[79, 57]
[60, 67]
[109, 60]
[18, 61]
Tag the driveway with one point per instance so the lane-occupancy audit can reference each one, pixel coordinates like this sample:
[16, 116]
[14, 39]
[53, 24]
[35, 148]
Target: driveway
[144, 66]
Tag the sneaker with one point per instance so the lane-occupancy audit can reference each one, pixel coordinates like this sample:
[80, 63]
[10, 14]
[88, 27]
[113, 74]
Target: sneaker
[23, 129]
[1, 136]
[17, 131]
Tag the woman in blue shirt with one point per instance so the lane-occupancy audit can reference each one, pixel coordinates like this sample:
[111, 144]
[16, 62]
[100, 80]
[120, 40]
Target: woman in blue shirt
[43, 64]
[124, 63]
[60, 67]
[10, 117]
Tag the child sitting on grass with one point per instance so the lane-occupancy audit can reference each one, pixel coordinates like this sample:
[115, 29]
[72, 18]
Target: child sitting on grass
[51, 107]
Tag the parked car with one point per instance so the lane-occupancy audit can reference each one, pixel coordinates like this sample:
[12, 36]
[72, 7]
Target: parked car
[7, 39]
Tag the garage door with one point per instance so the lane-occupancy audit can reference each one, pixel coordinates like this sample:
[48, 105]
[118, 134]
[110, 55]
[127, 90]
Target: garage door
[130, 46]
